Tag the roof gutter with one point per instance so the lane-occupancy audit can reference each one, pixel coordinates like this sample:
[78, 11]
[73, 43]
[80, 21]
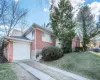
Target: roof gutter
[18, 39]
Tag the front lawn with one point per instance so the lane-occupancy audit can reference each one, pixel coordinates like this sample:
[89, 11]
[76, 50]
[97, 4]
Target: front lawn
[85, 64]
[6, 73]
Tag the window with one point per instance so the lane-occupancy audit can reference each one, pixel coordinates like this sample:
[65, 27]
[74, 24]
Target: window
[46, 37]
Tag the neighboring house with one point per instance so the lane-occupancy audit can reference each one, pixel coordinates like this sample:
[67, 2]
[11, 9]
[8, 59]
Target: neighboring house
[75, 42]
[95, 42]
[29, 44]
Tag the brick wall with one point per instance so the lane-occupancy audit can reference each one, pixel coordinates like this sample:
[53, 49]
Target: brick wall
[41, 44]
[9, 51]
[75, 42]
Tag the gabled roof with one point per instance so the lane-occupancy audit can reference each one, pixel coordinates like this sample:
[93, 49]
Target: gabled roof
[28, 31]
[36, 26]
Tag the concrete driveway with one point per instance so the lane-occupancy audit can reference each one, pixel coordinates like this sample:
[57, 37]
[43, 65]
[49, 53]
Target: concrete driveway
[55, 73]
[22, 74]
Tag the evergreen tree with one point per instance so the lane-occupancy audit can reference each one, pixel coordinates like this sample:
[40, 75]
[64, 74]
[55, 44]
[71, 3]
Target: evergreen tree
[63, 25]
[87, 25]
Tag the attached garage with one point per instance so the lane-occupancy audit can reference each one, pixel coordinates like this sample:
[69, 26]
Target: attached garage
[21, 50]
[17, 49]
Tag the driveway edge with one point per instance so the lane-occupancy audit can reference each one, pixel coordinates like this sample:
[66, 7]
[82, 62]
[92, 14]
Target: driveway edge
[40, 75]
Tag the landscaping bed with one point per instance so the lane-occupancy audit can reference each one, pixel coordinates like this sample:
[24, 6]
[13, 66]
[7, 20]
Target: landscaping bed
[84, 64]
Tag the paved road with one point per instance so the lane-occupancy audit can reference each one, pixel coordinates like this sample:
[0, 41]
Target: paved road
[21, 73]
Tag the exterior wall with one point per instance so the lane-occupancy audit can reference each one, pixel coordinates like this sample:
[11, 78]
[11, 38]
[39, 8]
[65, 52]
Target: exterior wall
[16, 33]
[37, 43]
[98, 43]
[75, 43]
[40, 43]
[9, 51]
[30, 36]
[32, 49]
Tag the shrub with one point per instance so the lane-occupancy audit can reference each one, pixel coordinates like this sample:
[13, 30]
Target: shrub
[51, 53]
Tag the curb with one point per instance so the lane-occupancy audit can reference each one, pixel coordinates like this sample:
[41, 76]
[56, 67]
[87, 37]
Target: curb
[40, 75]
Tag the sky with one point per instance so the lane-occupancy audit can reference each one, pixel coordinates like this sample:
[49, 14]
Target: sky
[38, 11]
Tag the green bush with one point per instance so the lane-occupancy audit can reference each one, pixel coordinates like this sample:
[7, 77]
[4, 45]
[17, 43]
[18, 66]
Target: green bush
[51, 53]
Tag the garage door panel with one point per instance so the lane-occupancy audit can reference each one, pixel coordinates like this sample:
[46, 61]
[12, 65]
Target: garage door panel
[21, 51]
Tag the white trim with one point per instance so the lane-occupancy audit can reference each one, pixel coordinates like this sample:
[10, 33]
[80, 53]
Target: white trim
[21, 41]
[18, 39]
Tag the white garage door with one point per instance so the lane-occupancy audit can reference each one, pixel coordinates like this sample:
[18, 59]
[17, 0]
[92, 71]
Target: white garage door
[21, 51]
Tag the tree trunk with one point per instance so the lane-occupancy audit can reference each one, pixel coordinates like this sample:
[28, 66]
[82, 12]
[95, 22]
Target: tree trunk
[84, 46]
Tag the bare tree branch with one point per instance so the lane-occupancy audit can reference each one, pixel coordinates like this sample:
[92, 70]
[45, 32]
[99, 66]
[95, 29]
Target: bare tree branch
[12, 14]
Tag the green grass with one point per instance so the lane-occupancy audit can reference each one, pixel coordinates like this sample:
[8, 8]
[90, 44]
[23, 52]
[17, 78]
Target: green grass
[85, 64]
[6, 73]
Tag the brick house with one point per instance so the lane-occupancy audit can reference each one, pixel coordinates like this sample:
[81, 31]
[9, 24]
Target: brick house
[27, 45]
[76, 42]
[95, 42]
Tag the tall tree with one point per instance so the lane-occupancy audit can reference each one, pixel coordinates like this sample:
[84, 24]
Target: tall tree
[87, 25]
[52, 5]
[12, 14]
[98, 23]
[63, 25]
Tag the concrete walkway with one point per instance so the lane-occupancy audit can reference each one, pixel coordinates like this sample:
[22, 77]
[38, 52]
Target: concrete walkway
[40, 75]
[54, 72]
